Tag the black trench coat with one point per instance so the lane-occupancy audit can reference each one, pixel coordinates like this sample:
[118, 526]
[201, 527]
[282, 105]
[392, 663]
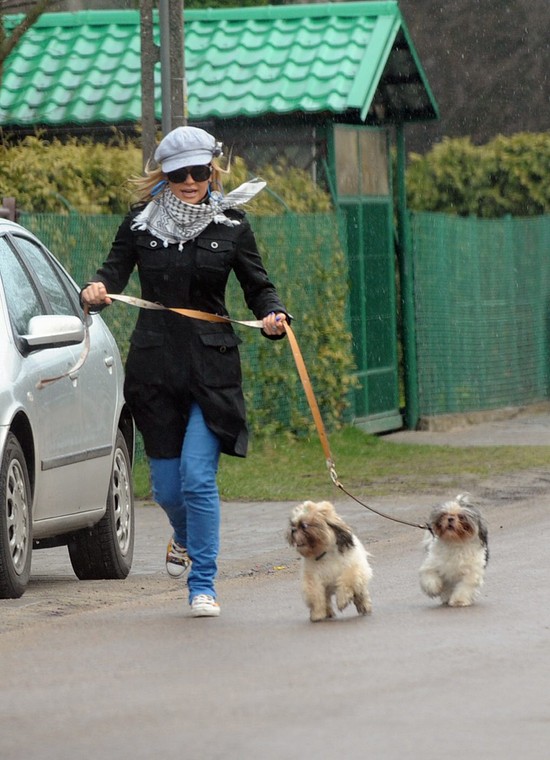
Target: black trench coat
[174, 360]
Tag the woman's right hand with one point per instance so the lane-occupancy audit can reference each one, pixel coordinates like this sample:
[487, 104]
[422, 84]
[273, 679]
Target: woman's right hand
[95, 294]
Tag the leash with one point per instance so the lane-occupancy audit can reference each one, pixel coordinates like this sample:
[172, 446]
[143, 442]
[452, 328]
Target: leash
[80, 361]
[300, 366]
[192, 313]
[142, 304]
[321, 431]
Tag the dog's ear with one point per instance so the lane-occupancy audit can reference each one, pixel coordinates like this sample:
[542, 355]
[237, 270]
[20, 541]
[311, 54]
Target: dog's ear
[289, 534]
[482, 530]
[435, 515]
[484, 537]
[342, 533]
[465, 500]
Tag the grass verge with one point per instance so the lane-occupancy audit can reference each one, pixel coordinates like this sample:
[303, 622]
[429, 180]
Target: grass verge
[286, 469]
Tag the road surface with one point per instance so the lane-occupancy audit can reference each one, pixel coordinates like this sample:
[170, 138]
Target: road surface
[121, 670]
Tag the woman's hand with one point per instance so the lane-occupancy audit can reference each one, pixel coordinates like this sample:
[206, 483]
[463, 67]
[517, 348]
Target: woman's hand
[95, 294]
[274, 323]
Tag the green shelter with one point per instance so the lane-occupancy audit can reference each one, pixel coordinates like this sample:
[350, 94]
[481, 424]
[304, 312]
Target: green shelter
[328, 86]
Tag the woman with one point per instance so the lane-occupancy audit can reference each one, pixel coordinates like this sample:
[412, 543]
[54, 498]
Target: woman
[183, 376]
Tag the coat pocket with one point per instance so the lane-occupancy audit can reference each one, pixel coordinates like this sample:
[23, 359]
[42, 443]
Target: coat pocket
[214, 255]
[152, 255]
[219, 364]
[145, 363]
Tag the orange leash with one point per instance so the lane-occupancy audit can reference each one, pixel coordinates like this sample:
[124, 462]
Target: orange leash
[312, 401]
[300, 366]
[321, 431]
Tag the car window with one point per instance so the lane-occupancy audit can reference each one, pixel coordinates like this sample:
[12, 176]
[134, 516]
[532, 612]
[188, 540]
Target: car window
[21, 297]
[49, 277]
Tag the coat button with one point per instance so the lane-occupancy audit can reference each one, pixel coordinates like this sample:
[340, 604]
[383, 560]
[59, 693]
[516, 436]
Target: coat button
[153, 244]
[223, 349]
[214, 245]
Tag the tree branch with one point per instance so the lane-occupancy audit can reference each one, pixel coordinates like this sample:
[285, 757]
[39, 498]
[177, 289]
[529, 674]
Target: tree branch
[7, 44]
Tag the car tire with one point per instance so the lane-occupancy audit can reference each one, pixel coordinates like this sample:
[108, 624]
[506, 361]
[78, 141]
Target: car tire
[15, 521]
[106, 550]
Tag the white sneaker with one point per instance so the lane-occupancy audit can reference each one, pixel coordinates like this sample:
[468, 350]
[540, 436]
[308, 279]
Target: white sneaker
[177, 559]
[204, 605]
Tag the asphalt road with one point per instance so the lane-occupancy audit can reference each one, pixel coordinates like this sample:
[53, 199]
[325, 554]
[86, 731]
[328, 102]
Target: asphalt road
[120, 670]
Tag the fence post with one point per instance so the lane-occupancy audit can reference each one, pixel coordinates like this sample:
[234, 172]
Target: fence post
[8, 210]
[406, 276]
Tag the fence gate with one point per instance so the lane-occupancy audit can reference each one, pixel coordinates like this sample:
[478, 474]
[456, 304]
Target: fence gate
[362, 186]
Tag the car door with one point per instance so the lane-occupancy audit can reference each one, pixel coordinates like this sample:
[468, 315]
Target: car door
[53, 412]
[93, 387]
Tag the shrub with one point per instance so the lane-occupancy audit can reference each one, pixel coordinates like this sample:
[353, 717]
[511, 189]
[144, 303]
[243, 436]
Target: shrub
[91, 178]
[509, 175]
[57, 177]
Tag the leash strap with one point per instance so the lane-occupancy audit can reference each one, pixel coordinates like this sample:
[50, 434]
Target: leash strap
[312, 401]
[298, 360]
[321, 431]
[81, 359]
[192, 313]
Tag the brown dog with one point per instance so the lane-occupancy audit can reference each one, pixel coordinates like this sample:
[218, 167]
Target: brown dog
[335, 561]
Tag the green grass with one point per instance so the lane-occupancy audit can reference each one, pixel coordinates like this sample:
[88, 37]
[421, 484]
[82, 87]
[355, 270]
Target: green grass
[285, 469]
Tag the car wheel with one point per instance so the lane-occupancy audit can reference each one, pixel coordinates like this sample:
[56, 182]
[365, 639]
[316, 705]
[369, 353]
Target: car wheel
[106, 550]
[15, 521]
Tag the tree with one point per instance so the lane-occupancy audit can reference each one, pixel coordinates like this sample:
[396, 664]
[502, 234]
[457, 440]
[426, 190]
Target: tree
[32, 11]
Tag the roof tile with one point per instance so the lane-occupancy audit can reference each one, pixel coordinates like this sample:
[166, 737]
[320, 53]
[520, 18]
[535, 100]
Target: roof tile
[84, 67]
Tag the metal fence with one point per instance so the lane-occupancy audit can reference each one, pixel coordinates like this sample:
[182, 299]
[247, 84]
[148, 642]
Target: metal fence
[482, 303]
[482, 306]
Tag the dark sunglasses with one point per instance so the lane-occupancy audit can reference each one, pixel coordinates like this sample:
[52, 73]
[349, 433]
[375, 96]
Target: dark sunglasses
[198, 173]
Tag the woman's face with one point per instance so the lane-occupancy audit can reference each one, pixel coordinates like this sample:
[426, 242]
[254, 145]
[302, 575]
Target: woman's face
[184, 186]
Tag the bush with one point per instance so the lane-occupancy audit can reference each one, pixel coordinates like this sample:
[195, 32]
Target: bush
[91, 178]
[509, 175]
[57, 177]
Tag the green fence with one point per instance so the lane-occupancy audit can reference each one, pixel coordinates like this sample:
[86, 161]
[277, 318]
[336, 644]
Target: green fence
[482, 302]
[482, 311]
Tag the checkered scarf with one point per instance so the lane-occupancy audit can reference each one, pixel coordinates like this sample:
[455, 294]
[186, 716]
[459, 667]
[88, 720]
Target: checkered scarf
[174, 221]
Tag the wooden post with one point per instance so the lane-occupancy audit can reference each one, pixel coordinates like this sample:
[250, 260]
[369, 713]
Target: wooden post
[149, 57]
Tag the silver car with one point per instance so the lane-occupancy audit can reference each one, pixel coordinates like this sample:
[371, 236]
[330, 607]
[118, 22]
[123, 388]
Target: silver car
[66, 446]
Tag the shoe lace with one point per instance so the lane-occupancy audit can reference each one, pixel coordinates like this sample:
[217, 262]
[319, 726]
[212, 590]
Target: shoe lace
[204, 599]
[177, 551]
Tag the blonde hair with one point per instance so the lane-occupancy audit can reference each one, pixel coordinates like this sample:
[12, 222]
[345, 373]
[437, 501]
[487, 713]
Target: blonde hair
[144, 185]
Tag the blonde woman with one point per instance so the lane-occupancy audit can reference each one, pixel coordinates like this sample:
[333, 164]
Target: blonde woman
[183, 376]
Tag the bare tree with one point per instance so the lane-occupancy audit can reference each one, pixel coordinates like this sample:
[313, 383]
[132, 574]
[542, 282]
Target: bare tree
[31, 11]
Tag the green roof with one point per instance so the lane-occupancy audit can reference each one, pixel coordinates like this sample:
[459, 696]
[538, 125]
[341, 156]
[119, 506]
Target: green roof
[83, 68]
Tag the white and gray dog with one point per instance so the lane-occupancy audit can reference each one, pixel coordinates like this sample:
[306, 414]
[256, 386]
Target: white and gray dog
[335, 561]
[457, 553]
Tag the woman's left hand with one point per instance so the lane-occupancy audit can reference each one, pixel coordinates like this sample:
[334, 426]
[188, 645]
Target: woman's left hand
[274, 323]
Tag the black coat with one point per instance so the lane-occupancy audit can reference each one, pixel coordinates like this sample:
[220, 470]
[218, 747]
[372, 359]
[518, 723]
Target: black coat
[174, 360]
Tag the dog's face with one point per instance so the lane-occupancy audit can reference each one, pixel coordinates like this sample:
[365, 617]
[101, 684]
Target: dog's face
[458, 521]
[316, 528]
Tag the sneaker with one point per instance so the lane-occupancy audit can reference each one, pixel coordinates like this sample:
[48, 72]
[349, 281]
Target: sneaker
[204, 605]
[177, 559]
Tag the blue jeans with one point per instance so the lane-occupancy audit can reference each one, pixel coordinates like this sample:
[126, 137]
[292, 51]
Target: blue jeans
[186, 489]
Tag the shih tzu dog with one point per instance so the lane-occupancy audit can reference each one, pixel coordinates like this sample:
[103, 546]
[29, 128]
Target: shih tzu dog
[335, 563]
[457, 553]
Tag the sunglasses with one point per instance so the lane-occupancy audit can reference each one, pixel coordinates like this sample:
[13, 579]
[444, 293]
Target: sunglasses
[198, 173]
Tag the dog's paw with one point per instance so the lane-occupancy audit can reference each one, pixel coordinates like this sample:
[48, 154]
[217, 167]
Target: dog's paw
[343, 598]
[431, 585]
[362, 605]
[317, 617]
[316, 614]
[460, 601]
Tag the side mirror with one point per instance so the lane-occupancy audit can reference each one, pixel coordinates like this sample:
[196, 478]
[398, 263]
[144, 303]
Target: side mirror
[54, 330]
